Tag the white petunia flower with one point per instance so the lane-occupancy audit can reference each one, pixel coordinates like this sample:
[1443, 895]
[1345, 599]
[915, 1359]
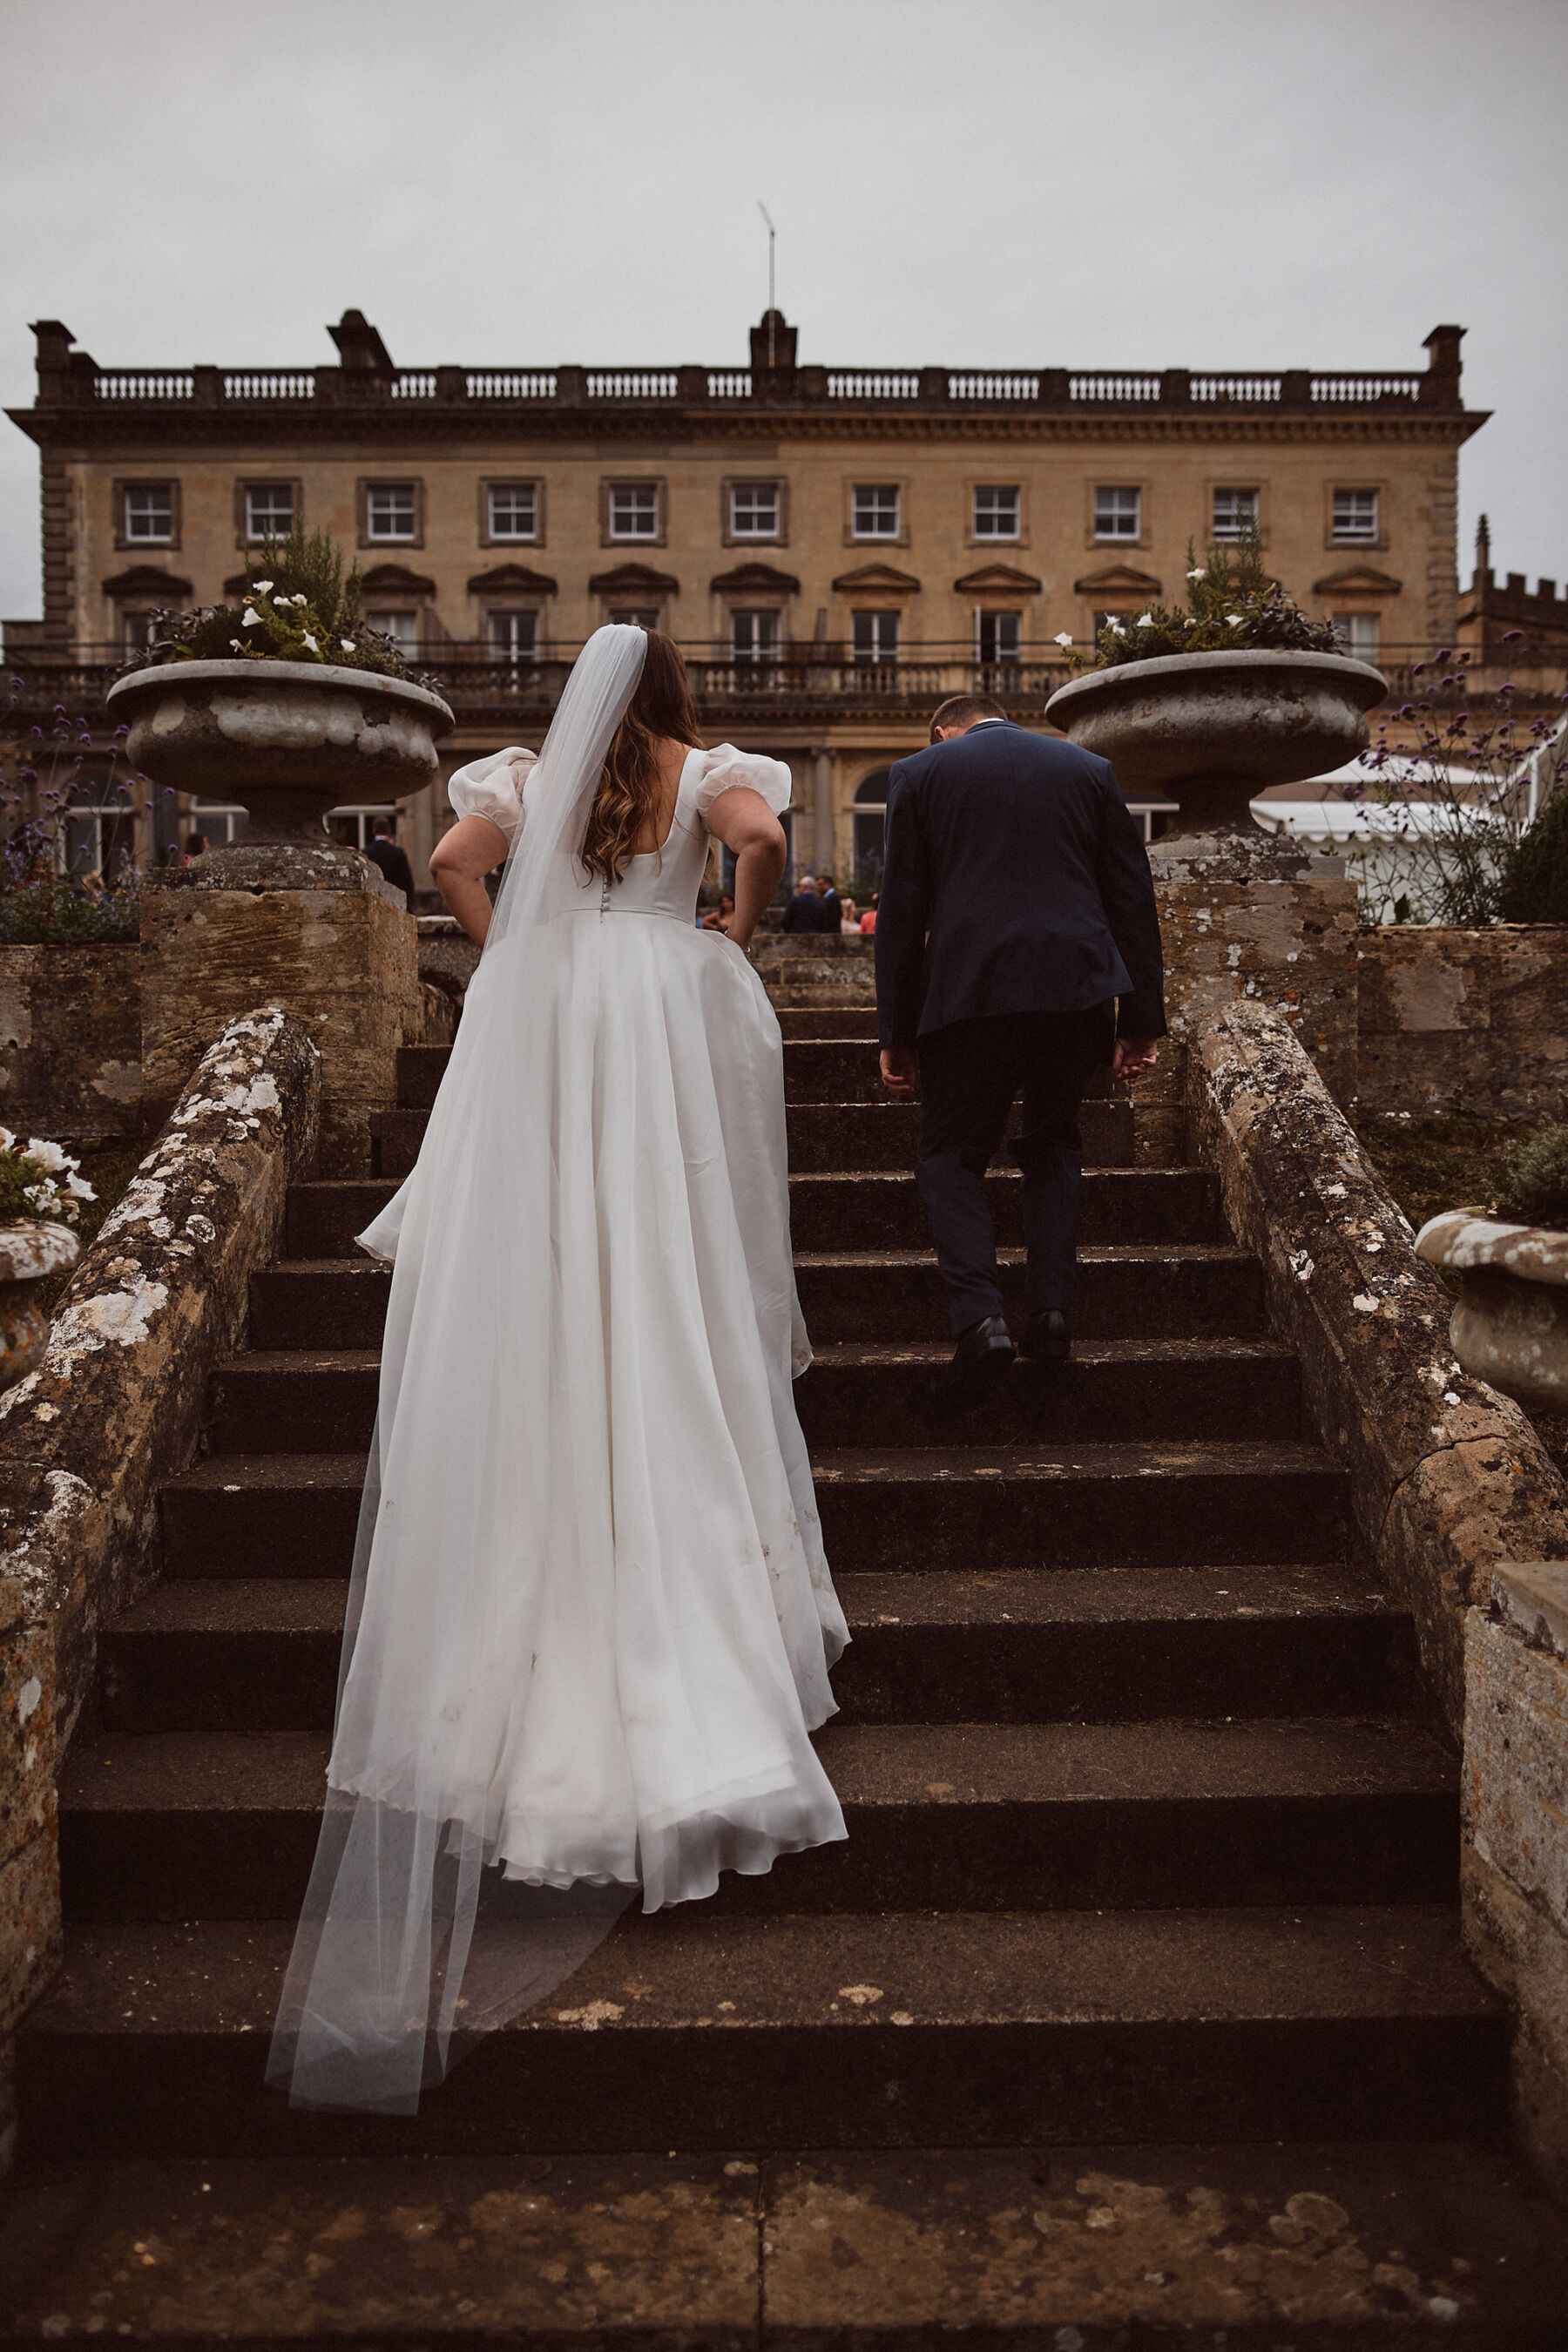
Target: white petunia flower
[252, 620]
[263, 587]
[1144, 621]
[238, 644]
[1236, 619]
[310, 642]
[79, 1187]
[1061, 638]
[347, 643]
[1117, 626]
[1196, 573]
[7, 1140]
[48, 1155]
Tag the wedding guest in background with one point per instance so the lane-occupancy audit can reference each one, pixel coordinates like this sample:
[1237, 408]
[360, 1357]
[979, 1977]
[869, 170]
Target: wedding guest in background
[800, 915]
[720, 917]
[849, 920]
[868, 919]
[827, 910]
[393, 861]
[196, 846]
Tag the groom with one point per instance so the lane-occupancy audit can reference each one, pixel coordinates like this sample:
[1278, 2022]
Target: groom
[1017, 944]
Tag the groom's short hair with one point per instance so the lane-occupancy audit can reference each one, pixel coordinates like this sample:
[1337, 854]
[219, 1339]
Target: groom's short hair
[963, 709]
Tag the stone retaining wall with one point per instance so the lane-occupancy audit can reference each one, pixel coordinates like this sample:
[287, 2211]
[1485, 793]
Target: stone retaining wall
[1479, 1020]
[70, 1042]
[1514, 1859]
[1448, 1479]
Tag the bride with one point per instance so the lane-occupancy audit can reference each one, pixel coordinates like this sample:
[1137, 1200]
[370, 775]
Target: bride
[591, 1622]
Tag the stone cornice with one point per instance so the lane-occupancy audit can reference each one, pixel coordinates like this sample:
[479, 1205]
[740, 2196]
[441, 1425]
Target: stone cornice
[481, 431]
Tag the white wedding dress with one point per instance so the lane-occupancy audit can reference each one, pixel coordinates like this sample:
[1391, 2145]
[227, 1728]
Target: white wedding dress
[591, 1621]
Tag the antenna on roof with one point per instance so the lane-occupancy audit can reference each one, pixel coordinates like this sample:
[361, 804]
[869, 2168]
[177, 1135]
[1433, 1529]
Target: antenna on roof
[772, 233]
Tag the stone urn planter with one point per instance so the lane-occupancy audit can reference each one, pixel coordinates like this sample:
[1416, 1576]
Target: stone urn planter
[30, 1252]
[288, 741]
[1509, 1325]
[1212, 731]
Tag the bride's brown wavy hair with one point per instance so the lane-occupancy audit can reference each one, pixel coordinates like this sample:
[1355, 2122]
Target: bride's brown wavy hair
[627, 796]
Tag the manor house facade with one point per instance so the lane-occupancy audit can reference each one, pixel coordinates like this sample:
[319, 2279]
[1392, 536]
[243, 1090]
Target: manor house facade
[834, 548]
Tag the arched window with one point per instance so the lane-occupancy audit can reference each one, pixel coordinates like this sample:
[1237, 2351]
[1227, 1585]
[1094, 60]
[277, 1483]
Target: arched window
[872, 820]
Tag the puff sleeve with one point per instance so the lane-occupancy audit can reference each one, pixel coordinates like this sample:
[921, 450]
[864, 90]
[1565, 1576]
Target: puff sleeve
[724, 768]
[493, 788]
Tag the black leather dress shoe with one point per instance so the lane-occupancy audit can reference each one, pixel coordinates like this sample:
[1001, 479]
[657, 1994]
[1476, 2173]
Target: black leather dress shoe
[983, 1352]
[1047, 1336]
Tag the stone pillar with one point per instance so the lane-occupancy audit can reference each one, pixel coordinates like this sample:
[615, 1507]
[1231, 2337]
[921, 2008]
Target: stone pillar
[1248, 917]
[314, 930]
[822, 827]
[1514, 1856]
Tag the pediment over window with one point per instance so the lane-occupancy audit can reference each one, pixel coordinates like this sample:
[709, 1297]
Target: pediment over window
[999, 580]
[396, 579]
[634, 579]
[755, 580]
[879, 576]
[147, 580]
[514, 576]
[1116, 579]
[1359, 580]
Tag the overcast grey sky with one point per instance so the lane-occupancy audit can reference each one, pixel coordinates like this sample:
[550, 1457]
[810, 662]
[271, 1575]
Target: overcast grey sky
[976, 182]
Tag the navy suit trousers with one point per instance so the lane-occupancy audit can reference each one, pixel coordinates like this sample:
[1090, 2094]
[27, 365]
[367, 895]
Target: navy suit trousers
[971, 1073]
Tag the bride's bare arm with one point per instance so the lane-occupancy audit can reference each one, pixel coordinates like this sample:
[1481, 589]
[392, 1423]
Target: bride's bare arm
[744, 823]
[469, 850]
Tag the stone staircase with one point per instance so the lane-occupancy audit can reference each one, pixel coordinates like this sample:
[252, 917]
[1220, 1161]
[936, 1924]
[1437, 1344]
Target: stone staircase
[1145, 1839]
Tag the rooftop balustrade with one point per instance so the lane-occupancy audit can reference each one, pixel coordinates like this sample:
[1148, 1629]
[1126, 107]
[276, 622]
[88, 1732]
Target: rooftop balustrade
[1056, 390]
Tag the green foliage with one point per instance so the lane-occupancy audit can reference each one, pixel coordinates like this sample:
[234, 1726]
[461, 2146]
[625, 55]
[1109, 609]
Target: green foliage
[51, 910]
[1533, 1180]
[299, 608]
[1236, 608]
[1533, 887]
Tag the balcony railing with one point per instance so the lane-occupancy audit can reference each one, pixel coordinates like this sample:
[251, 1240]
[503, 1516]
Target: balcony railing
[805, 680]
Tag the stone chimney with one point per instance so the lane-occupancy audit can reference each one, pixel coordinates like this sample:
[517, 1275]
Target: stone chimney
[1441, 388]
[1483, 578]
[61, 369]
[365, 358]
[772, 348]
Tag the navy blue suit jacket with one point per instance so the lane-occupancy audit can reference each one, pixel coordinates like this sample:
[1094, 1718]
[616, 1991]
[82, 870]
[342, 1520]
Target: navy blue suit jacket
[1014, 881]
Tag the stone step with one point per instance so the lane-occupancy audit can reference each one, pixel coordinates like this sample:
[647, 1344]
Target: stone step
[829, 1056]
[858, 1021]
[947, 1817]
[951, 2030]
[1056, 1508]
[242, 1654]
[309, 1400]
[725, 2251]
[822, 1137]
[1195, 1290]
[852, 1210]
[874, 1211]
[1175, 1290]
[832, 1070]
[857, 1395]
[420, 1070]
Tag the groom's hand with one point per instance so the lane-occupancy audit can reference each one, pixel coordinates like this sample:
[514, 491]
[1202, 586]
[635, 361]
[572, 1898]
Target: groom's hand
[1134, 1053]
[901, 1070]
